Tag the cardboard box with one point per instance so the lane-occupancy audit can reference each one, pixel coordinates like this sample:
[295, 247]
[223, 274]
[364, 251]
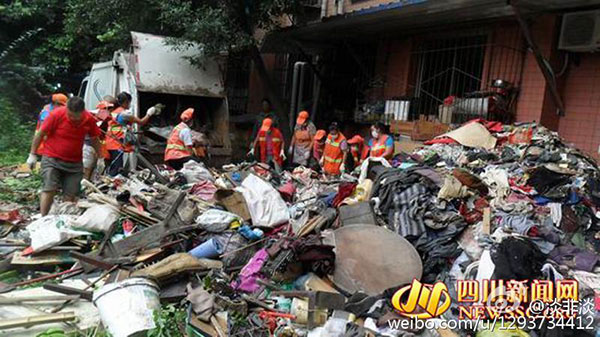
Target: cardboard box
[234, 202]
[401, 127]
[426, 130]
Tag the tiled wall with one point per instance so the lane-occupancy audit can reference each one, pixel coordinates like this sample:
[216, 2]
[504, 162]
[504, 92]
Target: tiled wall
[581, 95]
[533, 86]
[394, 65]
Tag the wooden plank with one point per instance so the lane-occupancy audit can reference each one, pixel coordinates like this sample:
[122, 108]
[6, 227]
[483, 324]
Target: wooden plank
[69, 291]
[36, 320]
[487, 218]
[18, 300]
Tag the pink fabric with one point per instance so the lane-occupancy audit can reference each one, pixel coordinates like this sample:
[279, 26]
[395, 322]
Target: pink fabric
[204, 189]
[251, 272]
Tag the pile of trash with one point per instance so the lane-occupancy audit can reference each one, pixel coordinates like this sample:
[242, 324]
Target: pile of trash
[244, 250]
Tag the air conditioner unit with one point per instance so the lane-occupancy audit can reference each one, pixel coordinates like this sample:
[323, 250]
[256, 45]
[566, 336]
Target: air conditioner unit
[580, 31]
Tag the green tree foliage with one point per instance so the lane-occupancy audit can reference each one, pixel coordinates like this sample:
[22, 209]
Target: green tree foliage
[44, 42]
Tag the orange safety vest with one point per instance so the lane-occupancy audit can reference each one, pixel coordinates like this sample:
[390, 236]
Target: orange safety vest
[333, 154]
[277, 140]
[176, 148]
[115, 134]
[103, 150]
[378, 148]
[38, 126]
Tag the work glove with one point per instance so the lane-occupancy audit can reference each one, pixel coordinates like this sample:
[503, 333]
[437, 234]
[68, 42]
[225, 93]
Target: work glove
[251, 152]
[282, 154]
[31, 160]
[343, 167]
[152, 111]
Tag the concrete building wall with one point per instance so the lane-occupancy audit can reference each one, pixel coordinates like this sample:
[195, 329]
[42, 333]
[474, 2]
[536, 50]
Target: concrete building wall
[581, 94]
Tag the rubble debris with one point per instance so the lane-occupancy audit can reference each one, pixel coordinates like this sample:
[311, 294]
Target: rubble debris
[243, 250]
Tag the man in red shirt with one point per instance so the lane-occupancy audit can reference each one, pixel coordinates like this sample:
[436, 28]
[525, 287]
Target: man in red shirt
[64, 131]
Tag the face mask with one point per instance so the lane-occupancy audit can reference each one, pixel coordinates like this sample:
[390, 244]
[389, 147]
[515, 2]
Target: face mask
[375, 134]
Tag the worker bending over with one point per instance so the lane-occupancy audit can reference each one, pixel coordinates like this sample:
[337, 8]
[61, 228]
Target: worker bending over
[358, 152]
[335, 151]
[180, 145]
[381, 144]
[270, 144]
[64, 130]
[120, 138]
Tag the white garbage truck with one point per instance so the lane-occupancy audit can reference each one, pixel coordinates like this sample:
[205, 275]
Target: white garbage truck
[155, 72]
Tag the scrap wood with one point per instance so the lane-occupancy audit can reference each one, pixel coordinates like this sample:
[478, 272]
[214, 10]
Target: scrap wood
[18, 300]
[46, 258]
[65, 303]
[35, 320]
[145, 237]
[126, 209]
[96, 262]
[8, 287]
[217, 326]
[87, 295]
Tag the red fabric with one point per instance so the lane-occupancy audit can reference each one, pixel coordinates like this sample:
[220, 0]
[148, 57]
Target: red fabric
[345, 190]
[442, 140]
[277, 139]
[64, 137]
[490, 125]
[38, 126]
[287, 191]
[318, 150]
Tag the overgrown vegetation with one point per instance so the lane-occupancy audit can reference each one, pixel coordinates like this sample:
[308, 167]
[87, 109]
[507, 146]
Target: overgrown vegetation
[45, 43]
[22, 191]
[16, 135]
[170, 322]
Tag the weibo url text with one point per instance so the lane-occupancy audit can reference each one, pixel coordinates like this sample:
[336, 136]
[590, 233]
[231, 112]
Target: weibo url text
[498, 323]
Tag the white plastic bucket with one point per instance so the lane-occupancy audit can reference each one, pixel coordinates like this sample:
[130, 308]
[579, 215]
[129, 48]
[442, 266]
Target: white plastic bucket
[127, 307]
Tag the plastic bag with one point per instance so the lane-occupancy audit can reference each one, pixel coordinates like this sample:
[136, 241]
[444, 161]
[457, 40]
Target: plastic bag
[97, 218]
[216, 221]
[194, 172]
[265, 204]
[52, 230]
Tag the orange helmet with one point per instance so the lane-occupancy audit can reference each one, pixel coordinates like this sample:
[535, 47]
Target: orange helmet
[356, 140]
[266, 124]
[320, 134]
[187, 114]
[60, 99]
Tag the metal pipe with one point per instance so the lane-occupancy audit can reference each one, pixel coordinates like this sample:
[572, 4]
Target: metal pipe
[294, 93]
[300, 91]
